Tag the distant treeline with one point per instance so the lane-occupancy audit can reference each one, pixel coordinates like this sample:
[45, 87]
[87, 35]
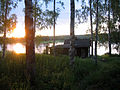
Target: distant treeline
[101, 38]
[39, 39]
[12, 40]
[63, 37]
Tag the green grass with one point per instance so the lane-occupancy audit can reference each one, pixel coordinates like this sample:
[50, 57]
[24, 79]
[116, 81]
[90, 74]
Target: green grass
[54, 73]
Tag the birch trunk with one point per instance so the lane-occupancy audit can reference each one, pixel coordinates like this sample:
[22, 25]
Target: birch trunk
[119, 36]
[109, 28]
[72, 21]
[54, 31]
[96, 37]
[91, 28]
[5, 29]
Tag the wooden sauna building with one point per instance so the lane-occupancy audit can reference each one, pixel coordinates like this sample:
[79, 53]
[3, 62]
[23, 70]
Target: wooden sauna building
[81, 48]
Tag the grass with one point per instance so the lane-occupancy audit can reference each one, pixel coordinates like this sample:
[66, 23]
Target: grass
[54, 73]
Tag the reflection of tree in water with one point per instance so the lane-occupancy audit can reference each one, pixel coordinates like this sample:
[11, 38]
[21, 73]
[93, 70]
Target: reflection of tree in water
[115, 47]
[41, 48]
[105, 44]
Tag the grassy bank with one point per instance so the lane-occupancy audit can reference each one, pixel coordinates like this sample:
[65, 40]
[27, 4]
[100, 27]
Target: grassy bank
[54, 73]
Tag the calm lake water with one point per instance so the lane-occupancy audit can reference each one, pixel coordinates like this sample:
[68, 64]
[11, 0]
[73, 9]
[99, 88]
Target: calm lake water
[20, 48]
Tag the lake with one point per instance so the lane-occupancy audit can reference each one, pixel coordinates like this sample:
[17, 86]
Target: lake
[20, 48]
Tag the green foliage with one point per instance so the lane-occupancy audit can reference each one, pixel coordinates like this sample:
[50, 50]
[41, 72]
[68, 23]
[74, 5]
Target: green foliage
[115, 39]
[54, 73]
[12, 40]
[107, 78]
[11, 19]
[12, 71]
[82, 13]
[44, 18]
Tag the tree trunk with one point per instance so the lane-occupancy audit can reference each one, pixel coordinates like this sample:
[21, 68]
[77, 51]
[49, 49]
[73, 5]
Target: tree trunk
[54, 31]
[96, 33]
[72, 21]
[30, 49]
[109, 27]
[91, 29]
[119, 36]
[5, 29]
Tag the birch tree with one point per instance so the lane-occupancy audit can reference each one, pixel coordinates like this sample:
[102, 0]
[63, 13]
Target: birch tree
[96, 31]
[109, 28]
[91, 25]
[7, 23]
[54, 29]
[72, 22]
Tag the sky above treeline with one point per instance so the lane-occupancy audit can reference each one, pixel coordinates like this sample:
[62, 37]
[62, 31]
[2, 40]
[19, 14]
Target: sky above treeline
[62, 23]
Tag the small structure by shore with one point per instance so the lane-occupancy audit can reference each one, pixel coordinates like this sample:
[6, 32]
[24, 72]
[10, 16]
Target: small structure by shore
[82, 47]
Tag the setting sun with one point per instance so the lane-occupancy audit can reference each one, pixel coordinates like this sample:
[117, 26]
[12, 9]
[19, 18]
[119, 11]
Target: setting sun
[18, 32]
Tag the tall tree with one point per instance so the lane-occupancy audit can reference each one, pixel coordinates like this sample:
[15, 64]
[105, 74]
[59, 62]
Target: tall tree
[44, 19]
[96, 32]
[109, 27]
[91, 24]
[7, 23]
[54, 22]
[72, 22]
[30, 35]
[4, 37]
[115, 8]
[54, 30]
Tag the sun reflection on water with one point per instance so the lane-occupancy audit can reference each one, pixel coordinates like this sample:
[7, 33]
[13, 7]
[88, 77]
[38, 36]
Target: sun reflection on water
[19, 48]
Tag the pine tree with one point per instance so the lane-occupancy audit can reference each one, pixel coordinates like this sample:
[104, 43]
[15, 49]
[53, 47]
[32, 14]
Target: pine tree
[30, 35]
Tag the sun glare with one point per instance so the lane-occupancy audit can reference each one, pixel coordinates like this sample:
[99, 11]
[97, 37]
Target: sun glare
[19, 48]
[18, 32]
